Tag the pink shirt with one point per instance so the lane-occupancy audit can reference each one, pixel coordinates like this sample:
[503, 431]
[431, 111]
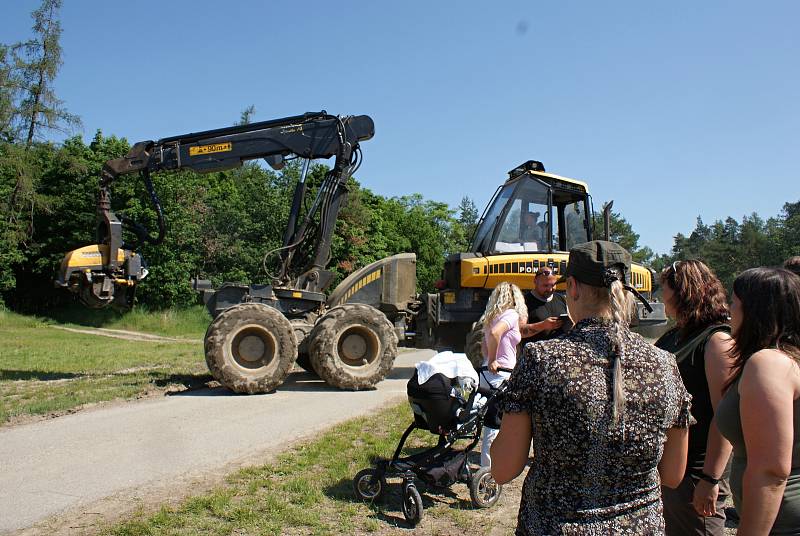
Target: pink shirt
[507, 349]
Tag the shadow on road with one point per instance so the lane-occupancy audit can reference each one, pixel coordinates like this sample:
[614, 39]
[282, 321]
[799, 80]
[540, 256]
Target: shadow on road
[400, 373]
[300, 380]
[305, 381]
[198, 385]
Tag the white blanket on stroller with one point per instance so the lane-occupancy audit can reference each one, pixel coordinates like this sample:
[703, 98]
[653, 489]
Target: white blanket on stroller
[452, 365]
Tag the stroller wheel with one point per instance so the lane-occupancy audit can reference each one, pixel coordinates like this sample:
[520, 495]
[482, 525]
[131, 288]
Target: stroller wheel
[483, 490]
[368, 486]
[412, 504]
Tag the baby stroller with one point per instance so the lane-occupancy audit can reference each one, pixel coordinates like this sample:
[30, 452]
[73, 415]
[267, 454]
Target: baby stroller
[451, 408]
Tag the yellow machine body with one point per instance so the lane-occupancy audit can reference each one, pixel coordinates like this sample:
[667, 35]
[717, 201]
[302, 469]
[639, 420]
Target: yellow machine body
[87, 273]
[520, 269]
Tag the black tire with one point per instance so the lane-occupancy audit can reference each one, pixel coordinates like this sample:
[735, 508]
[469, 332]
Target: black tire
[302, 329]
[367, 487]
[473, 343]
[250, 348]
[412, 504]
[483, 490]
[353, 346]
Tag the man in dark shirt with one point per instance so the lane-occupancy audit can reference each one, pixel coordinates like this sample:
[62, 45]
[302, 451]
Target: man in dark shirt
[544, 306]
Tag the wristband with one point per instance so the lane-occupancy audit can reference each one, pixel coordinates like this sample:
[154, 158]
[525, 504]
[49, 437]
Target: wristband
[710, 479]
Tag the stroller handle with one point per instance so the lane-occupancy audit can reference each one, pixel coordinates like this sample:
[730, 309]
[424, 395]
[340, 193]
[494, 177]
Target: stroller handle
[492, 391]
[499, 369]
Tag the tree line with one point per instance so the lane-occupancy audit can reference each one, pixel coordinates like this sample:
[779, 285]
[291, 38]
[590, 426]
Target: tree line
[728, 246]
[221, 225]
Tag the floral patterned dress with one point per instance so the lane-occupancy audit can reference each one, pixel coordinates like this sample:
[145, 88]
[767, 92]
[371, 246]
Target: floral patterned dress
[589, 477]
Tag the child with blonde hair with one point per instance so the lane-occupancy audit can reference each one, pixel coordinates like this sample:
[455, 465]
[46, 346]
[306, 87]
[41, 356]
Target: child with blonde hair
[505, 311]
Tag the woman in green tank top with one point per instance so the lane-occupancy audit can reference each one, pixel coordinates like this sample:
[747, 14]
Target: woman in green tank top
[760, 411]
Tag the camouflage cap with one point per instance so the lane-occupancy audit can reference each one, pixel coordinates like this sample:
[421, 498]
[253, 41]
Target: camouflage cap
[590, 263]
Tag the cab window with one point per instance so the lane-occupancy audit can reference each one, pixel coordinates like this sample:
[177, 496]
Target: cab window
[525, 225]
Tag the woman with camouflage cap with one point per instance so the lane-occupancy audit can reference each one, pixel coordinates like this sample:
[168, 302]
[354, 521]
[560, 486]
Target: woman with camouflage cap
[606, 411]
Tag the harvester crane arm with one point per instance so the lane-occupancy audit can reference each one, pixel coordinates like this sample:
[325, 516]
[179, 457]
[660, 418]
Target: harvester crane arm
[307, 240]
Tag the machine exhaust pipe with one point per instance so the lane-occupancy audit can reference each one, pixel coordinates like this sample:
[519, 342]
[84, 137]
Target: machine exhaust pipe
[607, 220]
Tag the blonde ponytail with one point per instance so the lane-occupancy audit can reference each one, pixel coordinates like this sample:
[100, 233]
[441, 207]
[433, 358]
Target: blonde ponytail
[621, 307]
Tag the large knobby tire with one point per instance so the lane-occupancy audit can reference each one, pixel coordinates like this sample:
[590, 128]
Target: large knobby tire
[472, 346]
[250, 348]
[302, 329]
[353, 346]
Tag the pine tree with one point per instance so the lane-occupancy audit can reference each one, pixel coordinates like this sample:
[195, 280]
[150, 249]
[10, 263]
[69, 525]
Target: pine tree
[28, 108]
[35, 65]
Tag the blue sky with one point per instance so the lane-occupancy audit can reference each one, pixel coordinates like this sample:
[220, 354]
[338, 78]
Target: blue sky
[673, 110]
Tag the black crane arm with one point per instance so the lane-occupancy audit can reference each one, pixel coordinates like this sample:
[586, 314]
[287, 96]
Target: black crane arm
[314, 135]
[311, 135]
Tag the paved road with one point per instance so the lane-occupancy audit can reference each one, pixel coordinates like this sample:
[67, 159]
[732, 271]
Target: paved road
[63, 463]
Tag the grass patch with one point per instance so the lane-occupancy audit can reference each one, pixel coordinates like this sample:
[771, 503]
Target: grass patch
[45, 370]
[190, 322]
[307, 490]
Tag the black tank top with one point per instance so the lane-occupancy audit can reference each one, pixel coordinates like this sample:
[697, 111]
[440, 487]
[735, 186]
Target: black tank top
[690, 354]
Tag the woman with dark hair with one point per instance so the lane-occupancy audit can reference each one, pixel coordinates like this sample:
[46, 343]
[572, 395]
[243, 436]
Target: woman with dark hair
[700, 340]
[760, 411]
[607, 413]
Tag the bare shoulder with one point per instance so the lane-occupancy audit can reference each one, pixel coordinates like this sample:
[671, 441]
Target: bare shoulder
[720, 338]
[718, 347]
[770, 359]
[773, 369]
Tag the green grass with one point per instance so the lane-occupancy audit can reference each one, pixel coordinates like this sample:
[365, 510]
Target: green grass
[307, 490]
[45, 370]
[190, 322]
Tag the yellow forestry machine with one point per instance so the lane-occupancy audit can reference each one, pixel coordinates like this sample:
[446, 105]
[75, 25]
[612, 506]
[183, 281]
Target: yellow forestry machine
[533, 220]
[348, 337]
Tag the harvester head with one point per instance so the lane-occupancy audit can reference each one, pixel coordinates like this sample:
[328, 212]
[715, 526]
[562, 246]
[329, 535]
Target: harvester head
[98, 283]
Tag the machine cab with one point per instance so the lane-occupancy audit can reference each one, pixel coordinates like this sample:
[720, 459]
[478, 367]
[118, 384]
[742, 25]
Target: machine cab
[535, 211]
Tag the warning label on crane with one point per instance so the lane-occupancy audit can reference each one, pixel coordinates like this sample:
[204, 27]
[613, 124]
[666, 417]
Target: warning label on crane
[213, 148]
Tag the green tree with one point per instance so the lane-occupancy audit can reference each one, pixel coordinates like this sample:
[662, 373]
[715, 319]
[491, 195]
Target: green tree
[246, 116]
[464, 227]
[35, 67]
[28, 108]
[622, 233]
[729, 246]
[7, 95]
[786, 230]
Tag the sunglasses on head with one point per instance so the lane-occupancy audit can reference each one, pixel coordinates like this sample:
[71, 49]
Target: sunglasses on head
[674, 267]
[545, 271]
